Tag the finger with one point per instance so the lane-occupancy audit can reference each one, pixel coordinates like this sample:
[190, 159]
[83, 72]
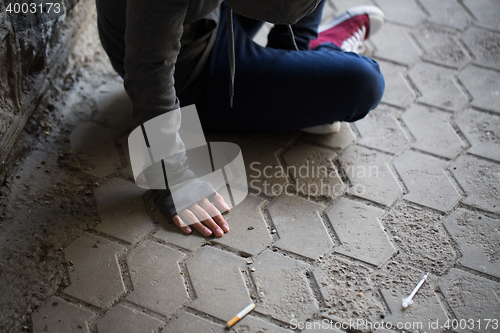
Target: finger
[207, 220]
[214, 212]
[180, 224]
[193, 221]
[220, 203]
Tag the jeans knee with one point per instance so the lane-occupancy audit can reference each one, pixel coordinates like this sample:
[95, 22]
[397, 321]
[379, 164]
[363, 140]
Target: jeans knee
[377, 86]
[370, 90]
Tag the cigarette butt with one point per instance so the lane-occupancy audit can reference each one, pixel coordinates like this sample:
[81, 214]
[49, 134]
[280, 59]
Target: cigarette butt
[240, 315]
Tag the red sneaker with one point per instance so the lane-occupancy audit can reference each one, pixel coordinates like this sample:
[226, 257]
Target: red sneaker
[350, 29]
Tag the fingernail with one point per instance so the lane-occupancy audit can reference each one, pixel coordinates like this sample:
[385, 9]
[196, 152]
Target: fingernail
[226, 206]
[208, 232]
[187, 229]
[225, 228]
[219, 232]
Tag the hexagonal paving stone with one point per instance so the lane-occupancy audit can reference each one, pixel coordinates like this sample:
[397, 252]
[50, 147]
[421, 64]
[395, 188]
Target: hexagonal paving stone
[114, 106]
[394, 43]
[170, 233]
[94, 270]
[471, 297]
[347, 290]
[283, 287]
[248, 231]
[427, 183]
[59, 316]
[300, 227]
[360, 232]
[478, 240]
[447, 12]
[262, 166]
[402, 12]
[479, 179]
[441, 46]
[487, 12]
[186, 322]
[97, 143]
[370, 175]
[156, 278]
[438, 86]
[484, 45]
[426, 309]
[126, 320]
[402, 273]
[484, 86]
[217, 279]
[122, 210]
[422, 242]
[381, 130]
[432, 131]
[482, 131]
[397, 89]
[340, 140]
[313, 172]
[254, 324]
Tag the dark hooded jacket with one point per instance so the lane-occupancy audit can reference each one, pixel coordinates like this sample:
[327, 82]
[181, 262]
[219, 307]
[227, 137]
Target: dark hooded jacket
[144, 39]
[148, 40]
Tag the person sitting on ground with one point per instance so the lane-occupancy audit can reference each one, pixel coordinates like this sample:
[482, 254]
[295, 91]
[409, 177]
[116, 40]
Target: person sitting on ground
[174, 53]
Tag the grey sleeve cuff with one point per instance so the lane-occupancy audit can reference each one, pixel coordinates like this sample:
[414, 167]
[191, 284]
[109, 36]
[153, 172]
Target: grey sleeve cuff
[191, 191]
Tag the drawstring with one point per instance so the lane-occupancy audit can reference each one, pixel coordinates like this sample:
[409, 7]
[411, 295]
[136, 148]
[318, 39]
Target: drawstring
[230, 37]
[292, 37]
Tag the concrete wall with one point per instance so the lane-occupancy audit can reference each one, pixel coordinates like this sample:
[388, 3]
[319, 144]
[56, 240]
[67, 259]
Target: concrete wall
[30, 60]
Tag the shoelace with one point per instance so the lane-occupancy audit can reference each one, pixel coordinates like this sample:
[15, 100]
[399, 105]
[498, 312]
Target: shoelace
[292, 37]
[230, 37]
[355, 43]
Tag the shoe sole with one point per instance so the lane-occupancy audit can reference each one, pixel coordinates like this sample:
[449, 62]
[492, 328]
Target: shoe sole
[375, 14]
[323, 129]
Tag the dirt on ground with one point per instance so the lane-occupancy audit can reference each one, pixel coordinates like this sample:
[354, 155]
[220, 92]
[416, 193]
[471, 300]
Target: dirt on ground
[46, 201]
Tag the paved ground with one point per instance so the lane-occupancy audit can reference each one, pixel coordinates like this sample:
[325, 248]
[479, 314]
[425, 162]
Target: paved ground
[412, 188]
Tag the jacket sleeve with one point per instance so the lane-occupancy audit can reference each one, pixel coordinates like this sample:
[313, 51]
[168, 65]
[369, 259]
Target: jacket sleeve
[152, 43]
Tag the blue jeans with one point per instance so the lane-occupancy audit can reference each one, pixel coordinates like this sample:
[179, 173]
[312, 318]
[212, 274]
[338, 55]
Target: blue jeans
[278, 88]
